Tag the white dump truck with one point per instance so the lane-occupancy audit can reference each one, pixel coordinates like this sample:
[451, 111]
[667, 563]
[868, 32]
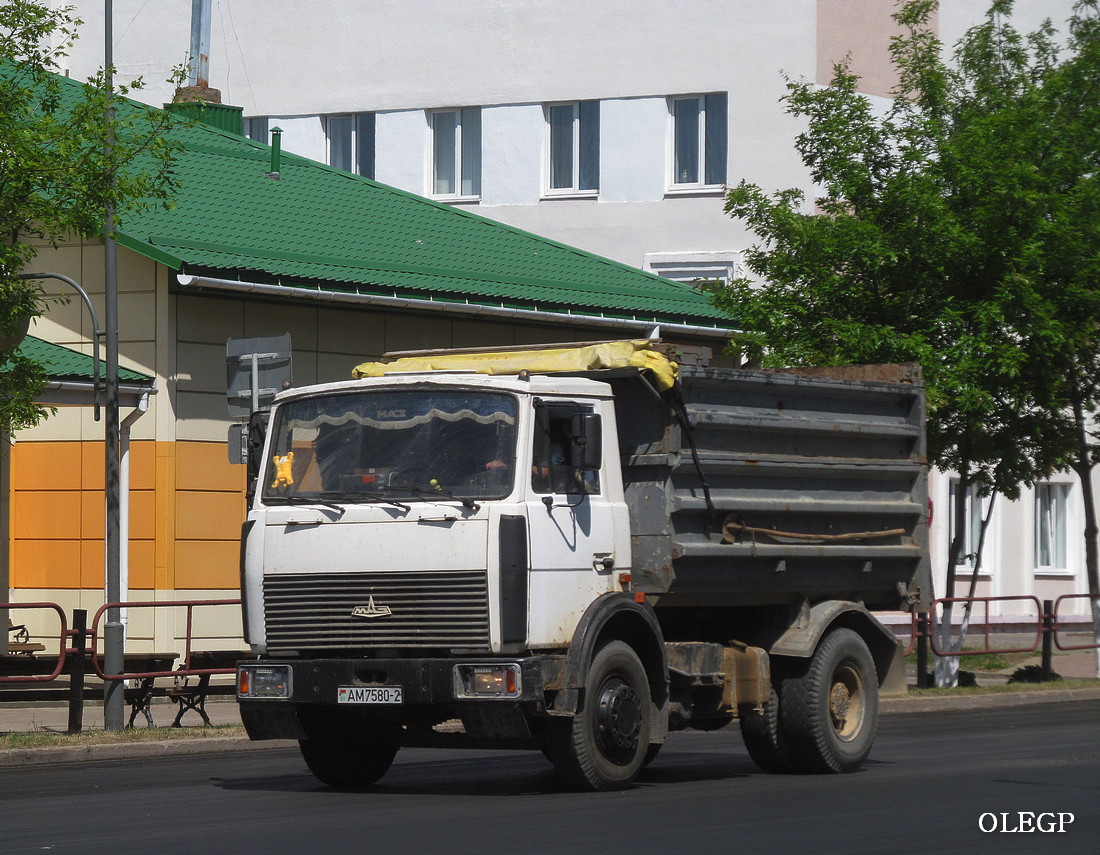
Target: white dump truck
[579, 549]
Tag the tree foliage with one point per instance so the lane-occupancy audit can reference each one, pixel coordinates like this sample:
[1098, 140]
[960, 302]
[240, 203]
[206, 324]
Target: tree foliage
[958, 226]
[66, 152]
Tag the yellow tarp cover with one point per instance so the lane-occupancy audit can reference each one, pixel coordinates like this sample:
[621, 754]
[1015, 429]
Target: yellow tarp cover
[614, 354]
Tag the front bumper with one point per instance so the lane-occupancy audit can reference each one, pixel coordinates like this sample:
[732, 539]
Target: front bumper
[428, 687]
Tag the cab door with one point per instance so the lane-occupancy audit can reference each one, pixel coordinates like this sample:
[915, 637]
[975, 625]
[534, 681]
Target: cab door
[575, 516]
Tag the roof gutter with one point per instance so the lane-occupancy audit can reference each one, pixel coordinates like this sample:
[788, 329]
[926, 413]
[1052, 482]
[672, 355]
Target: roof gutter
[647, 328]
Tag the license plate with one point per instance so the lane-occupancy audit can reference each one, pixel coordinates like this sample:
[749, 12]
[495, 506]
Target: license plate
[369, 695]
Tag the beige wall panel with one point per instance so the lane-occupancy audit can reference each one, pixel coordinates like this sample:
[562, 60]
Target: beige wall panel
[406, 332]
[135, 271]
[303, 366]
[140, 623]
[214, 621]
[65, 424]
[545, 335]
[137, 319]
[44, 625]
[64, 323]
[202, 417]
[336, 366]
[209, 516]
[351, 332]
[480, 334]
[138, 356]
[200, 368]
[264, 319]
[205, 319]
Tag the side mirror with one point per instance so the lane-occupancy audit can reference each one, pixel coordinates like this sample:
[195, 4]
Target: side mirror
[586, 434]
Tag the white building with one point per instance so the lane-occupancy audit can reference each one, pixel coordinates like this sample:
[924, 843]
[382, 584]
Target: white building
[611, 126]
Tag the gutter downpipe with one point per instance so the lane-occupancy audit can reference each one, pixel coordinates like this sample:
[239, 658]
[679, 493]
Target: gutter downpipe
[124, 503]
[647, 328]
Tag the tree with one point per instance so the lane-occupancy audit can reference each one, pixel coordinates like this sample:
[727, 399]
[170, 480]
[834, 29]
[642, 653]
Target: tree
[57, 172]
[938, 237]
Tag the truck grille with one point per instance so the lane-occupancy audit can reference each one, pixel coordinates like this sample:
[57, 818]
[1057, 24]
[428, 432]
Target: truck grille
[394, 609]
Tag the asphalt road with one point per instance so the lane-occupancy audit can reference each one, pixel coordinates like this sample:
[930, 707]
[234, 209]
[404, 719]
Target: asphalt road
[933, 781]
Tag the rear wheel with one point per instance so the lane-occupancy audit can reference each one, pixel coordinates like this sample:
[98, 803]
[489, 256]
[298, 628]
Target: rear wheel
[604, 746]
[762, 737]
[828, 710]
[352, 762]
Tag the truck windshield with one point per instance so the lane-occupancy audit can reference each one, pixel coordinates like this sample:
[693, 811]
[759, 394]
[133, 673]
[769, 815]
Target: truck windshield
[386, 444]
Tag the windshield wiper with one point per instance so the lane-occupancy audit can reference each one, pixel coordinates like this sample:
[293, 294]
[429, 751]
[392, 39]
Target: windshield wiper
[431, 492]
[357, 497]
[328, 499]
[295, 499]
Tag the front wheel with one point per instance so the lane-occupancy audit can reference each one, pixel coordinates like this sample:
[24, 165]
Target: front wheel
[604, 746]
[352, 764]
[829, 707]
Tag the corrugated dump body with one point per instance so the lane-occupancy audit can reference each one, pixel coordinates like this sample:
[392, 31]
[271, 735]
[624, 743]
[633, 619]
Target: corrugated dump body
[817, 485]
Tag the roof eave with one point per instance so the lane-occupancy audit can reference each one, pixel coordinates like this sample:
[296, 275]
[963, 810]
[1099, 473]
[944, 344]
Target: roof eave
[646, 327]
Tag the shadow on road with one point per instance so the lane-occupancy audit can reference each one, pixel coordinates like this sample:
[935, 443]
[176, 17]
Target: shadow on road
[510, 775]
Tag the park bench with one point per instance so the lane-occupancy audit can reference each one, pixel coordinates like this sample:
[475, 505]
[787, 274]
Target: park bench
[192, 695]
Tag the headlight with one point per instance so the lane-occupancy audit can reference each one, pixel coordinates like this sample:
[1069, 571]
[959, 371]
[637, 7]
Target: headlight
[264, 681]
[488, 681]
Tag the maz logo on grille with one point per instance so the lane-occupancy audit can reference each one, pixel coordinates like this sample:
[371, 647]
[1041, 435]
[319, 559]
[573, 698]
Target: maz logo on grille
[370, 610]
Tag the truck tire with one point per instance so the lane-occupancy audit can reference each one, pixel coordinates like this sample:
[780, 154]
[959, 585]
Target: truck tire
[828, 709]
[604, 746]
[762, 738]
[349, 764]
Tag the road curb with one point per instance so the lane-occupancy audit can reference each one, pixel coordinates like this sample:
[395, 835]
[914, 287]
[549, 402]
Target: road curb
[132, 750]
[953, 703]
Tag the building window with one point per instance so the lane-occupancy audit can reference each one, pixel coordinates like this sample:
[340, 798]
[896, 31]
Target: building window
[699, 140]
[257, 128]
[456, 152]
[573, 132]
[972, 524]
[351, 142]
[1050, 526]
[694, 267]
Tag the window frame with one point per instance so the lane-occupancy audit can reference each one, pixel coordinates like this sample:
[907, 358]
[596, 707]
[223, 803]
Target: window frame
[711, 143]
[465, 154]
[975, 510]
[584, 145]
[360, 143]
[1059, 492]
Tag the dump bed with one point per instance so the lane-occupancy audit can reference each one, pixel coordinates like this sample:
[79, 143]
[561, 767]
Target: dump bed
[761, 487]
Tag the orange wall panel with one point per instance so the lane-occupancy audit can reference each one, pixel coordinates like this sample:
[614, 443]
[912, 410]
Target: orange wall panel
[45, 564]
[208, 564]
[54, 515]
[186, 509]
[142, 565]
[205, 466]
[45, 466]
[209, 516]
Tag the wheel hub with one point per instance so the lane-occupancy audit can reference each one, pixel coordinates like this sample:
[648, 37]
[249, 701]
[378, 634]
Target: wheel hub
[846, 703]
[618, 716]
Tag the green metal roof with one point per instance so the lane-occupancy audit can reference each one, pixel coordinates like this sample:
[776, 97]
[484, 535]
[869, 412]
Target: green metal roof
[319, 227]
[65, 365]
